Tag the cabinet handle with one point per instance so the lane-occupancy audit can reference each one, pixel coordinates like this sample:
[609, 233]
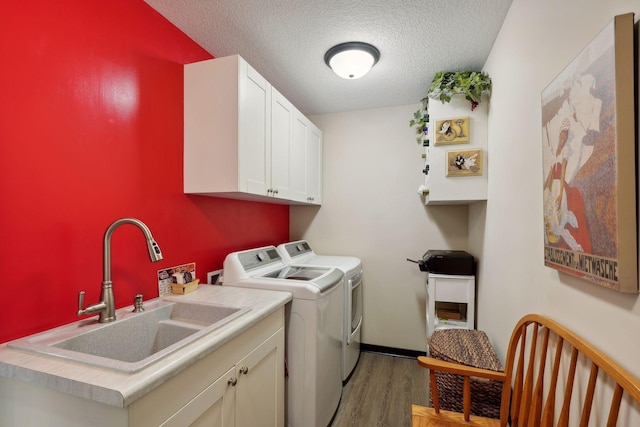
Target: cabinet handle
[244, 370]
[232, 381]
[269, 191]
[275, 191]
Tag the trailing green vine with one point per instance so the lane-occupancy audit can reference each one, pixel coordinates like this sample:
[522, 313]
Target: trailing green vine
[421, 121]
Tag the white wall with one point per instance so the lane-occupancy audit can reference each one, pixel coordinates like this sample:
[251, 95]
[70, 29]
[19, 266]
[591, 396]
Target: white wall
[537, 40]
[371, 209]
[372, 169]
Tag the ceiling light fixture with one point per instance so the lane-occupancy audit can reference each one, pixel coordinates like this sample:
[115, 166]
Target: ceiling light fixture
[352, 60]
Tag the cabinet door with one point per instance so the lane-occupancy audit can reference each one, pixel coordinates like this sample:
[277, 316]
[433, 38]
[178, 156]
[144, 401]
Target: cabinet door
[299, 158]
[314, 165]
[260, 387]
[254, 130]
[215, 406]
[282, 116]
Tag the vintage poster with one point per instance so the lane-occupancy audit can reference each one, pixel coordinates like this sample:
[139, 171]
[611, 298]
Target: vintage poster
[588, 154]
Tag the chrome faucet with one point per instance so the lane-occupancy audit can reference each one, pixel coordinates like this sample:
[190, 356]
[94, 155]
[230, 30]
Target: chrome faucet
[106, 306]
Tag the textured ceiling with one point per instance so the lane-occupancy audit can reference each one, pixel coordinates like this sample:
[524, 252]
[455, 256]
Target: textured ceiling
[285, 40]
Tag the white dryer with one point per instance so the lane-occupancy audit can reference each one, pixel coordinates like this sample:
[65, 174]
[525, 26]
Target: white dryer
[313, 329]
[300, 253]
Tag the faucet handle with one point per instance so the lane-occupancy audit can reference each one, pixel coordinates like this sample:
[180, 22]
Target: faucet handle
[137, 304]
[80, 303]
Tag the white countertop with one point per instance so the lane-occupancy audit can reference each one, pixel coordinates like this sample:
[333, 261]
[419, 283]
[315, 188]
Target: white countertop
[121, 389]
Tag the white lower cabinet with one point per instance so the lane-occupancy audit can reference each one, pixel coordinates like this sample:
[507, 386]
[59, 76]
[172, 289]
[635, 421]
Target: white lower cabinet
[239, 384]
[245, 395]
[215, 406]
[258, 398]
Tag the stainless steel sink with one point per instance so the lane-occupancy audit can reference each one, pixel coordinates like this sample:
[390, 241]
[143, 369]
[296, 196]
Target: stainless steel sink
[135, 340]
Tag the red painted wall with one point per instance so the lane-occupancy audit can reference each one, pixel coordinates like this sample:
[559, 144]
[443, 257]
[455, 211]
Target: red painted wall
[91, 130]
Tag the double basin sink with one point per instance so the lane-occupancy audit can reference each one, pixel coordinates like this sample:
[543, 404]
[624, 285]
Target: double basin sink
[135, 340]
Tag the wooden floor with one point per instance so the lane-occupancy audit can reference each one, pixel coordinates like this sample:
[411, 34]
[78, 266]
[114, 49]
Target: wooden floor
[381, 391]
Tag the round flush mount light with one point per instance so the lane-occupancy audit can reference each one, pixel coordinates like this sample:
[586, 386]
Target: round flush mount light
[352, 60]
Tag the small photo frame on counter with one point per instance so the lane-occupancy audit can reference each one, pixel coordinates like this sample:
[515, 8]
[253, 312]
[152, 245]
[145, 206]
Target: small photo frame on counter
[180, 279]
[214, 277]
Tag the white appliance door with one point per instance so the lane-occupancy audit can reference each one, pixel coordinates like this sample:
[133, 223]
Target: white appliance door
[355, 306]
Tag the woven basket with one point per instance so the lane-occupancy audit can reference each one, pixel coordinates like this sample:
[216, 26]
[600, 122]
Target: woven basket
[471, 348]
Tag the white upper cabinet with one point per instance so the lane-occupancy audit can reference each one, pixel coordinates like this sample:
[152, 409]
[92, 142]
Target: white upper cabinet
[299, 158]
[239, 134]
[306, 161]
[252, 110]
[314, 165]
[282, 115]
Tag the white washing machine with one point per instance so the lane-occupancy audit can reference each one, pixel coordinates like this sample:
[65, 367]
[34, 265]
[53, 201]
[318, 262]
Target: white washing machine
[313, 328]
[300, 253]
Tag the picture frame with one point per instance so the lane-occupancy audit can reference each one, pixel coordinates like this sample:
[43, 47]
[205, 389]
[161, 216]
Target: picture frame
[464, 163]
[589, 163]
[214, 277]
[180, 276]
[452, 131]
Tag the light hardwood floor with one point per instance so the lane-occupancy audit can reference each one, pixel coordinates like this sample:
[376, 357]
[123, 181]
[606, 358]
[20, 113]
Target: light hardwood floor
[381, 391]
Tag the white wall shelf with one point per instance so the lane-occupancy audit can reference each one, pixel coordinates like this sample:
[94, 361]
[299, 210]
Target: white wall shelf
[445, 189]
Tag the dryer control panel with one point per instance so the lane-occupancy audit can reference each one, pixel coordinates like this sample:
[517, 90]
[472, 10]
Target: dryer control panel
[258, 258]
[298, 248]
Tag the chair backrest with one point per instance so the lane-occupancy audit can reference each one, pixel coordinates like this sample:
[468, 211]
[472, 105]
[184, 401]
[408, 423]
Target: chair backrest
[555, 374]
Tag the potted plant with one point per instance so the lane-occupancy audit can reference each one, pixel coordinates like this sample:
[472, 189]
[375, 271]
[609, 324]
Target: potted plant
[471, 84]
[445, 84]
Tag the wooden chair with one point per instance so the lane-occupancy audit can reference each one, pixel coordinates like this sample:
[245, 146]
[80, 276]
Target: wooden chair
[540, 352]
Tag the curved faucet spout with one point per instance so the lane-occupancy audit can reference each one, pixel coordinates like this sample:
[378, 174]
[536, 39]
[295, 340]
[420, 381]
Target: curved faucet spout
[154, 250]
[106, 306]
